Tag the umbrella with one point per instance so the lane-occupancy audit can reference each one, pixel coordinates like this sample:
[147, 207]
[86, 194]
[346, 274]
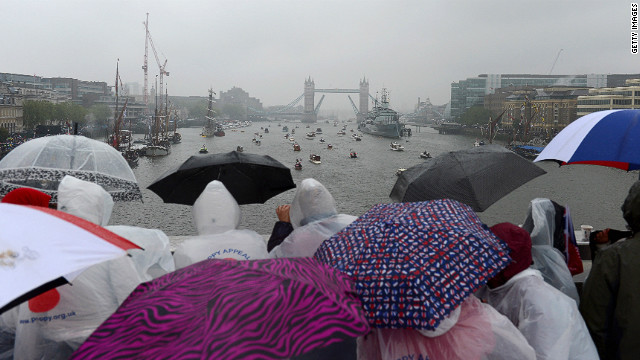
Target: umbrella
[41, 248]
[41, 163]
[250, 178]
[608, 138]
[477, 177]
[414, 263]
[227, 309]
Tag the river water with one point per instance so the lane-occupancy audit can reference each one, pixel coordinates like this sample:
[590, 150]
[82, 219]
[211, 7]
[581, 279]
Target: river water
[592, 193]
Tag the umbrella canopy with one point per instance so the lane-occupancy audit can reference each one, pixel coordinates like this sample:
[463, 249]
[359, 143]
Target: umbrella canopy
[476, 177]
[608, 138]
[226, 309]
[250, 178]
[414, 263]
[41, 248]
[41, 163]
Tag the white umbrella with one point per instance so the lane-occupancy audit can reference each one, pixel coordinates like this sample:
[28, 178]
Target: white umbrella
[41, 248]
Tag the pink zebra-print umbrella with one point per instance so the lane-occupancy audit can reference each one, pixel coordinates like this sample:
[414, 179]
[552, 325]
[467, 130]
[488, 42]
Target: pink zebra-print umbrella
[224, 309]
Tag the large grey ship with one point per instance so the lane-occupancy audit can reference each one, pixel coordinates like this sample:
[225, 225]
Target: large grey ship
[382, 120]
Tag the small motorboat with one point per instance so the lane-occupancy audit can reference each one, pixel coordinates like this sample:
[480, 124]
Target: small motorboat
[329, 146]
[400, 171]
[203, 150]
[342, 132]
[353, 155]
[356, 137]
[425, 155]
[311, 135]
[321, 140]
[292, 139]
[266, 130]
[318, 131]
[258, 142]
[296, 147]
[395, 146]
[298, 165]
[239, 149]
[314, 159]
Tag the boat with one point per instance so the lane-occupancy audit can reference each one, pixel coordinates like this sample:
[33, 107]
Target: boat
[209, 128]
[400, 171]
[329, 146]
[239, 148]
[296, 147]
[478, 143]
[285, 128]
[425, 155]
[203, 150]
[353, 154]
[526, 151]
[219, 131]
[342, 132]
[318, 131]
[258, 142]
[356, 137]
[266, 130]
[314, 159]
[382, 120]
[298, 165]
[395, 146]
[310, 135]
[322, 140]
[292, 139]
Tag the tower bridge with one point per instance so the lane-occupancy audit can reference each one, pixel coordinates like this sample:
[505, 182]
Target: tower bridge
[310, 108]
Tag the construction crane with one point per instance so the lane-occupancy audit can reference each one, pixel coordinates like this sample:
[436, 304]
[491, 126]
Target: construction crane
[555, 61]
[145, 67]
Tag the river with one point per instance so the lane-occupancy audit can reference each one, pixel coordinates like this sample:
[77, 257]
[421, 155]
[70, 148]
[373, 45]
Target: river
[592, 193]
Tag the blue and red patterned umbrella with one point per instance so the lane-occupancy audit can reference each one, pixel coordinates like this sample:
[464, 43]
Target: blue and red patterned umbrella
[414, 263]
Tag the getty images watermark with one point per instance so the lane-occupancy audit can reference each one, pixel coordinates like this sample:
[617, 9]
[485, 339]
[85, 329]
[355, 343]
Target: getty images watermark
[634, 28]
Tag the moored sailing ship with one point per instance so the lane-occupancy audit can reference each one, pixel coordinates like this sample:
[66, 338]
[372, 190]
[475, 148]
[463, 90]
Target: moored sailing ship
[210, 127]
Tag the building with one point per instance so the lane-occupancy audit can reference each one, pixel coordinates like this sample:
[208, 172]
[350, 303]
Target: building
[471, 91]
[609, 98]
[10, 109]
[83, 93]
[237, 96]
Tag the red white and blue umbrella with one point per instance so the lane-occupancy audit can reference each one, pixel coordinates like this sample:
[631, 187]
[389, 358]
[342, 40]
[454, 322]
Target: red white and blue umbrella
[608, 138]
[414, 263]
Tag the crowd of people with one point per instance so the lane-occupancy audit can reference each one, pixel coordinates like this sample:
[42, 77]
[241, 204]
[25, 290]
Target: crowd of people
[530, 310]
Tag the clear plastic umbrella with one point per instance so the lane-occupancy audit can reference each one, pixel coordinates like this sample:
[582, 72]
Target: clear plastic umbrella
[41, 163]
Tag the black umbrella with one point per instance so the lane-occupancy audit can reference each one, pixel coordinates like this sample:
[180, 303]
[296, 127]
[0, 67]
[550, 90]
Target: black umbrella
[250, 178]
[477, 177]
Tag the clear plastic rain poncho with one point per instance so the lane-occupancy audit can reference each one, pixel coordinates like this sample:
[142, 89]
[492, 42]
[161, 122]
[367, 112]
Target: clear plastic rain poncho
[548, 319]
[54, 324]
[474, 331]
[91, 202]
[314, 218]
[216, 215]
[42, 163]
[540, 224]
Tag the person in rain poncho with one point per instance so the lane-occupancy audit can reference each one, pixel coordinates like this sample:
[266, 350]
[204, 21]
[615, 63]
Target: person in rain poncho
[540, 224]
[473, 331]
[8, 320]
[54, 324]
[217, 215]
[314, 219]
[548, 319]
[91, 202]
[611, 296]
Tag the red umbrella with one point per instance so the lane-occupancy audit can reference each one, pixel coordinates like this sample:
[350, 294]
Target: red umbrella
[41, 248]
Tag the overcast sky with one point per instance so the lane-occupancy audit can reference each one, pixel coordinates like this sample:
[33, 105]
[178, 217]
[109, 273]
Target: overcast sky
[415, 49]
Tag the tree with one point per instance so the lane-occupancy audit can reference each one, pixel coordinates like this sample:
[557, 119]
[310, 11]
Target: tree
[4, 134]
[101, 114]
[234, 111]
[476, 115]
[197, 110]
[36, 113]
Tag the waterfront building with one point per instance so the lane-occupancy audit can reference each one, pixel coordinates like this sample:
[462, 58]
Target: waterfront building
[471, 91]
[10, 109]
[609, 98]
[237, 96]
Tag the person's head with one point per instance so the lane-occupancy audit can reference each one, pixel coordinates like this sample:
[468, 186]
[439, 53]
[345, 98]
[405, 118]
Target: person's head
[27, 196]
[312, 202]
[216, 210]
[631, 207]
[519, 243]
[85, 199]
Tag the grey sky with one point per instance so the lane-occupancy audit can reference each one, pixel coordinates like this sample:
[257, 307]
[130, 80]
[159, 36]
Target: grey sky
[413, 48]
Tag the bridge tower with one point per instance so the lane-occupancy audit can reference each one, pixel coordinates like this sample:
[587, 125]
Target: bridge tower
[309, 105]
[364, 99]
